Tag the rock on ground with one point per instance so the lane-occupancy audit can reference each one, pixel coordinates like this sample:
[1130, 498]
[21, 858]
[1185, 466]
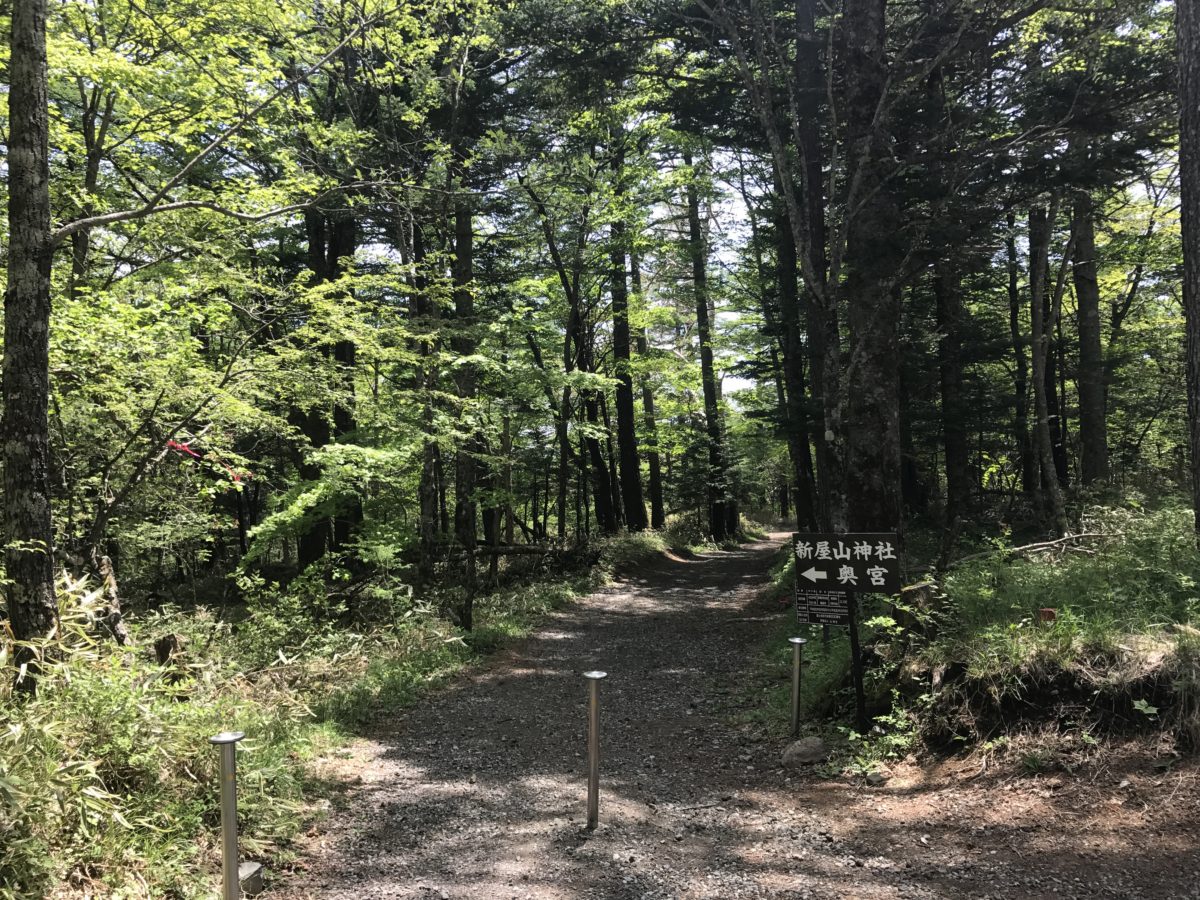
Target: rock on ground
[805, 752]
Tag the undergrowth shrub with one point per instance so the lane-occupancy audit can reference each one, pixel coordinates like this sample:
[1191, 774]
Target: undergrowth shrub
[107, 778]
[627, 550]
[782, 579]
[1186, 672]
[687, 530]
[305, 618]
[1142, 570]
[968, 657]
[1119, 642]
[758, 524]
[823, 687]
[108, 783]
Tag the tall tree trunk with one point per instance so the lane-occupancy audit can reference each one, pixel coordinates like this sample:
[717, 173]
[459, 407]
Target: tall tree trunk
[602, 489]
[566, 456]
[492, 517]
[506, 449]
[439, 480]
[583, 488]
[1064, 417]
[1056, 403]
[914, 487]
[875, 254]
[497, 518]
[947, 288]
[427, 497]
[343, 239]
[658, 514]
[463, 344]
[1026, 457]
[565, 459]
[580, 481]
[788, 372]
[781, 401]
[423, 311]
[1040, 224]
[534, 512]
[241, 513]
[627, 443]
[604, 492]
[546, 510]
[796, 399]
[610, 455]
[717, 474]
[29, 551]
[818, 306]
[1093, 424]
[1188, 29]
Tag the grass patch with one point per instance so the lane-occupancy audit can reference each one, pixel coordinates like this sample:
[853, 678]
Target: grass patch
[1141, 571]
[767, 694]
[1122, 637]
[107, 780]
[684, 533]
[405, 662]
[821, 683]
[688, 532]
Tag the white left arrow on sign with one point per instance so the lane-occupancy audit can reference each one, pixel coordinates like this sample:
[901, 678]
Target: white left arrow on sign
[814, 574]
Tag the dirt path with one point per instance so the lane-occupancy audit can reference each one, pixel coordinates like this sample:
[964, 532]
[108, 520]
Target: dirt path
[480, 793]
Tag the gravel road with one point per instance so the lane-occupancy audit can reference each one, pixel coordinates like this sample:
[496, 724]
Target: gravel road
[479, 793]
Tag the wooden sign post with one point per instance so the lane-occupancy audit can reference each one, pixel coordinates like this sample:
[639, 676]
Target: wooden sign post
[831, 571]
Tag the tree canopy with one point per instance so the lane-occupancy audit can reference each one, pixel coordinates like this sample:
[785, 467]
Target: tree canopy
[374, 284]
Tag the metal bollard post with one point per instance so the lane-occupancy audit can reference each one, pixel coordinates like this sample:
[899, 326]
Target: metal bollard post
[797, 659]
[593, 801]
[227, 741]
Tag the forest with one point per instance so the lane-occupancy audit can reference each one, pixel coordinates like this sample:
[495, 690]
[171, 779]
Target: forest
[346, 339]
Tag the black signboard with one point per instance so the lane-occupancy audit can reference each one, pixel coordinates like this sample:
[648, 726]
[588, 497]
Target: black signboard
[856, 562]
[823, 608]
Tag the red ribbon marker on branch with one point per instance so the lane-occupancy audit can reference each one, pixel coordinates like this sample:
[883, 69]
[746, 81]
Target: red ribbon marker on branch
[184, 449]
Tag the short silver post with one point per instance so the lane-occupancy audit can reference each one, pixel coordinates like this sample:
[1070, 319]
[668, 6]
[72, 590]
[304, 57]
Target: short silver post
[593, 801]
[797, 660]
[227, 741]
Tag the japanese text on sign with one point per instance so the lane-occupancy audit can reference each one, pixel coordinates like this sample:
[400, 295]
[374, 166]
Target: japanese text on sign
[823, 608]
[848, 562]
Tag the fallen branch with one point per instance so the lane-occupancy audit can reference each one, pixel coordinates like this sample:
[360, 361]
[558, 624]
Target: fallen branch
[1012, 552]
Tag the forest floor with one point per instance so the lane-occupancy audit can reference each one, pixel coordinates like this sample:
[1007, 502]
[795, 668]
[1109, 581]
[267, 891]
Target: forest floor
[479, 792]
